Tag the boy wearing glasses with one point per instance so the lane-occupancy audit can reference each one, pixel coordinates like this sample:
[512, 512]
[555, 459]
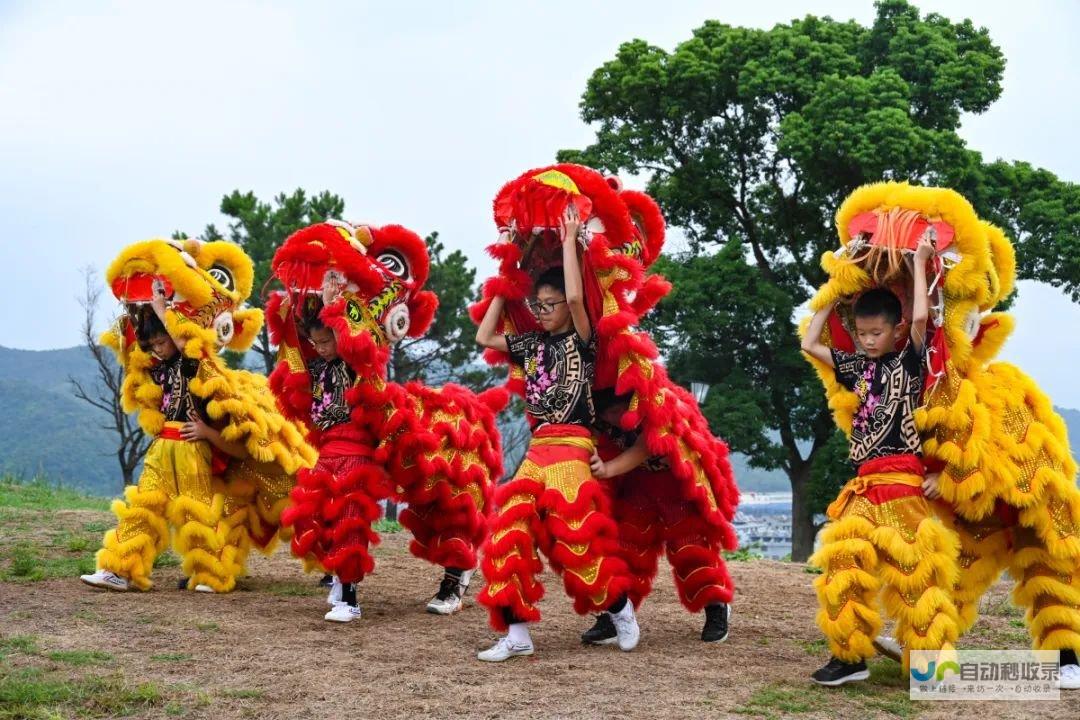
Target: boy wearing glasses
[553, 504]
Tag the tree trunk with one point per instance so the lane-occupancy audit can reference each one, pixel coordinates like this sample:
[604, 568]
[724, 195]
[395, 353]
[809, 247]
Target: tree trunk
[802, 516]
[391, 510]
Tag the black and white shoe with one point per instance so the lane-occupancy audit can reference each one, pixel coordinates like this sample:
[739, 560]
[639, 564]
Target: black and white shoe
[837, 672]
[601, 633]
[717, 623]
[447, 600]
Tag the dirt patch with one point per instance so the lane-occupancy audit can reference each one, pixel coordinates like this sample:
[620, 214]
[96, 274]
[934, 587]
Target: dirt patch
[264, 651]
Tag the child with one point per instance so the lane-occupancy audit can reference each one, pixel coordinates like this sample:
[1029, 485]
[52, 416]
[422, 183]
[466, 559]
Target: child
[652, 513]
[883, 531]
[179, 462]
[339, 452]
[553, 503]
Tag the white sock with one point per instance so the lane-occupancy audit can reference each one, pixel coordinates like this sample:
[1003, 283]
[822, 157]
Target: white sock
[626, 612]
[519, 634]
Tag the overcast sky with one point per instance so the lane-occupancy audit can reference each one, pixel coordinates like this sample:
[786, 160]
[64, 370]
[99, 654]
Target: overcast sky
[122, 121]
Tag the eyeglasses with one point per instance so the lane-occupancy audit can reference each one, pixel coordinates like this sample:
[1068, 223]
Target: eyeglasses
[544, 308]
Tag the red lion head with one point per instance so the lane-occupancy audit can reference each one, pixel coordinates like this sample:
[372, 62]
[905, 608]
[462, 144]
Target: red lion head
[379, 271]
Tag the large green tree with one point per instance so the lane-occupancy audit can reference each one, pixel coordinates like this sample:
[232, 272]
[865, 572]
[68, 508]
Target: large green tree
[750, 140]
[261, 227]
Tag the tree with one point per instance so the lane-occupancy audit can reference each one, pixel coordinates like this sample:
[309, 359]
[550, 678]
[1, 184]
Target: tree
[445, 351]
[1040, 212]
[260, 228]
[750, 140]
[132, 442]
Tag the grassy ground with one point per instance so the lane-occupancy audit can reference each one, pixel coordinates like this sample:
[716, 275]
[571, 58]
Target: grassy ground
[264, 651]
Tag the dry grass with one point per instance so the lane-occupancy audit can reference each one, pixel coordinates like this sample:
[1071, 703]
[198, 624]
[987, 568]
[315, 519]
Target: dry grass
[265, 651]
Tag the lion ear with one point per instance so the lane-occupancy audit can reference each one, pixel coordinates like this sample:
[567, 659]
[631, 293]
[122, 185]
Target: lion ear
[614, 183]
[422, 309]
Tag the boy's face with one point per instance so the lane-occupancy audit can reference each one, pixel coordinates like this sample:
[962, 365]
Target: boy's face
[877, 336]
[553, 301]
[324, 342]
[163, 347]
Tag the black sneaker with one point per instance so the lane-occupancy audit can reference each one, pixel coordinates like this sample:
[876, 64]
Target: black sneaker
[327, 580]
[601, 633]
[716, 627]
[182, 585]
[838, 672]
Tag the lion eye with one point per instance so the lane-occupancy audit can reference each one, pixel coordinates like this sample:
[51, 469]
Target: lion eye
[395, 264]
[222, 276]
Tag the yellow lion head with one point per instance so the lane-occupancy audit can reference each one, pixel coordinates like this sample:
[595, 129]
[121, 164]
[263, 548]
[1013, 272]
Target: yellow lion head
[973, 271]
[206, 284]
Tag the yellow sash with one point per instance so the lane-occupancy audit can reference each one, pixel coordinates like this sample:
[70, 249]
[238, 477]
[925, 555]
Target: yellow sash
[860, 484]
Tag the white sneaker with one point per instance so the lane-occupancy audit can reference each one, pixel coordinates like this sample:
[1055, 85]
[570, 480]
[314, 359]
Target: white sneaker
[626, 627]
[888, 647]
[106, 579]
[342, 612]
[335, 592]
[1069, 677]
[504, 650]
[204, 588]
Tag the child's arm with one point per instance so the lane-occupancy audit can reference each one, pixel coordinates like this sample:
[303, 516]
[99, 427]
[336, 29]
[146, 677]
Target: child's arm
[197, 429]
[622, 463]
[158, 305]
[486, 334]
[575, 296]
[920, 305]
[811, 344]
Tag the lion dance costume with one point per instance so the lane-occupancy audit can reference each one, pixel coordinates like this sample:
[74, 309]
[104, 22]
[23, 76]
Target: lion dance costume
[604, 549]
[219, 506]
[1007, 478]
[435, 449]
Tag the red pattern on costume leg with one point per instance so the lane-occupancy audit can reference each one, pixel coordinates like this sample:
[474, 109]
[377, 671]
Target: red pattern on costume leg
[304, 514]
[700, 574]
[640, 536]
[579, 536]
[358, 486]
[445, 461]
[510, 561]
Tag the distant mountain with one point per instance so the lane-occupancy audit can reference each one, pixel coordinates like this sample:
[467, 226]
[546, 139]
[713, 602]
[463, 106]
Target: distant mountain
[45, 430]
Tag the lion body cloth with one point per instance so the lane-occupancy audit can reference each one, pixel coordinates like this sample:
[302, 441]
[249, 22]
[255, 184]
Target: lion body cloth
[683, 500]
[436, 450]
[218, 516]
[1007, 478]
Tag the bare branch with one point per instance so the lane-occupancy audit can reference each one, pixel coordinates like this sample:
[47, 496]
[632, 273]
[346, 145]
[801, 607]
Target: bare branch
[132, 441]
